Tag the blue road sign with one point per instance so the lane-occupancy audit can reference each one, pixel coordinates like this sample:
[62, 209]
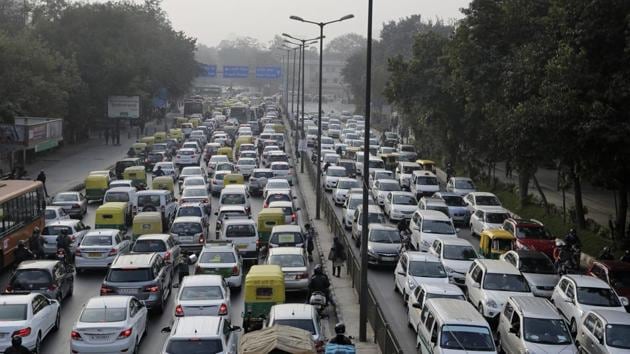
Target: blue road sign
[268, 72]
[235, 71]
[209, 70]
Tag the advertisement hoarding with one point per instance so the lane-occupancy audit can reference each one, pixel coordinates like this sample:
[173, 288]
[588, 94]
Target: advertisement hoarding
[123, 107]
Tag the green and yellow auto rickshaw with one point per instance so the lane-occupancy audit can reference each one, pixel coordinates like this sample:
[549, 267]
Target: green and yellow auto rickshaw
[159, 137]
[95, 186]
[427, 165]
[147, 222]
[267, 219]
[264, 287]
[137, 175]
[495, 242]
[139, 149]
[164, 183]
[149, 140]
[112, 215]
[233, 178]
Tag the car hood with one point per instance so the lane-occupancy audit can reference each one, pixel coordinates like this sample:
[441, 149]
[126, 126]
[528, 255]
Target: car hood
[545, 246]
[500, 297]
[388, 248]
[332, 178]
[463, 191]
[400, 207]
[535, 279]
[458, 266]
[426, 280]
[550, 348]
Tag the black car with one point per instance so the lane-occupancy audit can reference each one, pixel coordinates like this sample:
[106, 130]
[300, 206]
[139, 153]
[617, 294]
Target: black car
[52, 278]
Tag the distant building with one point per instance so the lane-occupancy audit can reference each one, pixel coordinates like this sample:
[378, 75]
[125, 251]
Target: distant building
[332, 81]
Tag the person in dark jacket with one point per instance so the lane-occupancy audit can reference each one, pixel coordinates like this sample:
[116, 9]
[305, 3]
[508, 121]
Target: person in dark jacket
[337, 256]
[42, 178]
[625, 257]
[340, 335]
[36, 243]
[16, 346]
[21, 253]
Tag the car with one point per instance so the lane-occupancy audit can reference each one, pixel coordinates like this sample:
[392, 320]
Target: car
[51, 278]
[244, 234]
[487, 218]
[615, 273]
[399, 205]
[382, 187]
[235, 194]
[577, 294]
[146, 276]
[265, 154]
[278, 195]
[290, 211]
[375, 216]
[203, 295]
[437, 204]
[190, 233]
[489, 283]
[162, 244]
[168, 168]
[246, 165]
[31, 316]
[353, 201]
[201, 334]
[193, 209]
[344, 185]
[75, 228]
[423, 292]
[302, 316]
[126, 183]
[74, 203]
[216, 181]
[229, 211]
[196, 194]
[457, 207]
[187, 157]
[195, 181]
[158, 200]
[258, 180]
[429, 225]
[109, 324]
[531, 235]
[221, 258]
[332, 176]
[192, 144]
[294, 265]
[416, 268]
[286, 236]
[124, 195]
[456, 255]
[55, 213]
[404, 171]
[283, 170]
[384, 244]
[475, 200]
[349, 166]
[275, 184]
[423, 183]
[460, 185]
[190, 171]
[214, 160]
[604, 331]
[537, 268]
[98, 248]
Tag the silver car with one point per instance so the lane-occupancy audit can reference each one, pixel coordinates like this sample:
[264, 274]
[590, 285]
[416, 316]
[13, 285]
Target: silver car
[98, 248]
[294, 265]
[301, 316]
[74, 203]
[537, 268]
[460, 185]
[457, 207]
[384, 244]
[75, 228]
[604, 331]
[203, 295]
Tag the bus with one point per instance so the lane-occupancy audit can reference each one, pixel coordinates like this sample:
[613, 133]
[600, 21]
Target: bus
[193, 106]
[22, 208]
[240, 113]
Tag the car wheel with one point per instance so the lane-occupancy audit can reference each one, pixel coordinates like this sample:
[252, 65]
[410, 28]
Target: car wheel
[38, 344]
[499, 344]
[57, 321]
[480, 309]
[136, 347]
[573, 327]
[70, 290]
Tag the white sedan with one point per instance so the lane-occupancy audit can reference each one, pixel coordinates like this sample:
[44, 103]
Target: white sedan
[486, 218]
[203, 295]
[246, 165]
[98, 248]
[109, 324]
[399, 205]
[332, 175]
[344, 185]
[382, 187]
[31, 316]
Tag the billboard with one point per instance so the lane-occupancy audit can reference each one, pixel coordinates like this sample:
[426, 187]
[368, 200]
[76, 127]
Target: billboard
[209, 70]
[268, 72]
[123, 107]
[235, 72]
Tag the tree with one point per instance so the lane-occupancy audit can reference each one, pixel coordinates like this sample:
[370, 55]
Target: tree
[343, 46]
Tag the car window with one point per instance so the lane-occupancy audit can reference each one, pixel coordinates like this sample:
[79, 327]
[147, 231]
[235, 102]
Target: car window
[589, 322]
[570, 292]
[563, 285]
[201, 293]
[105, 314]
[149, 246]
[429, 321]
[97, 240]
[13, 312]
[476, 275]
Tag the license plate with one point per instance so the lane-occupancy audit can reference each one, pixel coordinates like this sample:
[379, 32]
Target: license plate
[94, 255]
[186, 239]
[127, 291]
[289, 277]
[388, 259]
[242, 246]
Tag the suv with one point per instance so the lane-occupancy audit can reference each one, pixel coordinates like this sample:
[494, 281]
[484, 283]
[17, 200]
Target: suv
[145, 276]
[423, 183]
[48, 277]
[201, 334]
[158, 200]
[163, 244]
[242, 232]
[530, 235]
[190, 232]
[404, 171]
[429, 225]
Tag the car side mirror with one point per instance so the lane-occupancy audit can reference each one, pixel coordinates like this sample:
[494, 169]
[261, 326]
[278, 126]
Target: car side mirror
[624, 300]
[235, 329]
[192, 259]
[175, 286]
[514, 330]
[298, 209]
[402, 273]
[458, 230]
[416, 305]
[166, 329]
[88, 227]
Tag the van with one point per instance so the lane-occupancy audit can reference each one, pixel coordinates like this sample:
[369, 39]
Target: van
[157, 200]
[190, 232]
[453, 326]
[428, 225]
[243, 233]
[424, 183]
[235, 194]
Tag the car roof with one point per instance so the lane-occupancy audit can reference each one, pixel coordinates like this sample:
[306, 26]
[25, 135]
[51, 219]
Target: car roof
[190, 205]
[38, 264]
[373, 209]
[202, 279]
[455, 241]
[493, 209]
[410, 194]
[263, 170]
[407, 163]
[162, 237]
[433, 201]
[456, 311]
[196, 219]
[196, 326]
[461, 178]
[17, 298]
[279, 163]
[196, 187]
[238, 221]
[432, 214]
[529, 253]
[482, 194]
[54, 207]
[286, 228]
[280, 204]
[187, 149]
[231, 208]
[121, 189]
[613, 317]
[587, 281]
[75, 193]
[113, 301]
[102, 232]
[421, 256]
[333, 167]
[381, 227]
[133, 260]
[497, 266]
[286, 250]
[64, 222]
[153, 191]
[448, 194]
[219, 246]
[298, 311]
[423, 173]
[535, 307]
[443, 289]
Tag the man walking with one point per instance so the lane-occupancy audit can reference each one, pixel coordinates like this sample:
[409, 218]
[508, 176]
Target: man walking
[42, 178]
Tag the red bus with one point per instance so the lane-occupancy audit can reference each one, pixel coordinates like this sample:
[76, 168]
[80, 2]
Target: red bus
[22, 208]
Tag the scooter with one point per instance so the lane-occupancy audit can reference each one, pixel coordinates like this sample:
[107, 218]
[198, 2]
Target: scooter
[319, 301]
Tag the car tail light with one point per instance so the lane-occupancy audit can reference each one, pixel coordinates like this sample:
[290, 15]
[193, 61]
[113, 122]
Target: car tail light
[266, 205]
[178, 156]
[201, 239]
[197, 269]
[52, 287]
[106, 290]
[125, 334]
[319, 346]
[8, 289]
[235, 271]
[152, 289]
[77, 252]
[249, 210]
[302, 276]
[113, 252]
[23, 332]
[223, 310]
[75, 206]
[75, 335]
[293, 216]
[167, 255]
[179, 311]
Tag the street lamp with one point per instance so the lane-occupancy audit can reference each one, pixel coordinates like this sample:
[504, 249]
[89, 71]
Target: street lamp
[319, 112]
[286, 77]
[299, 48]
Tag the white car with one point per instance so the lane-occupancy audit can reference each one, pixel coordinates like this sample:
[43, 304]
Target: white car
[415, 268]
[399, 205]
[275, 184]
[246, 165]
[195, 194]
[294, 265]
[418, 298]
[460, 185]
[109, 324]
[537, 268]
[191, 171]
[31, 316]
[98, 248]
[487, 218]
[203, 295]
[168, 168]
[55, 213]
[343, 187]
[353, 201]
[475, 200]
[456, 255]
[428, 225]
[187, 156]
[575, 295]
[221, 258]
[195, 181]
[214, 160]
[282, 170]
[332, 175]
[301, 316]
[201, 334]
[379, 173]
[382, 187]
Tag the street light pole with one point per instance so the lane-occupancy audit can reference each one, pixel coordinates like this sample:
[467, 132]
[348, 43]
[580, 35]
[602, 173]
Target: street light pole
[293, 83]
[321, 25]
[295, 138]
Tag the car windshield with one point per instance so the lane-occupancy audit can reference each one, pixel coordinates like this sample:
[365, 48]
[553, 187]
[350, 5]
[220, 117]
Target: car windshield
[538, 265]
[445, 296]
[597, 297]
[261, 174]
[505, 282]
[347, 184]
[217, 257]
[130, 275]
[384, 236]
[287, 260]
[149, 246]
[97, 240]
[240, 231]
[336, 172]
[443, 227]
[426, 269]
[460, 337]
[619, 279]
[353, 203]
[376, 164]
[186, 228]
[546, 331]
[454, 201]
[13, 312]
[383, 175]
[194, 182]
[409, 169]
[69, 197]
[534, 232]
[305, 324]
[55, 230]
[194, 192]
[459, 253]
[374, 218]
[233, 199]
[618, 335]
[496, 218]
[441, 209]
[280, 167]
[286, 238]
[100, 315]
[116, 197]
[201, 293]
[278, 184]
[487, 200]
[249, 162]
[31, 279]
[404, 200]
[464, 184]
[50, 214]
[389, 187]
[194, 346]
[189, 211]
[427, 181]
[219, 176]
[148, 200]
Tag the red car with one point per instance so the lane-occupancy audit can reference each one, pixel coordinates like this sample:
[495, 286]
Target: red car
[531, 235]
[615, 273]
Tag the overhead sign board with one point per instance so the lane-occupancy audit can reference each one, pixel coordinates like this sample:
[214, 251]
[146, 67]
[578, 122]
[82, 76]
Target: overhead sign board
[123, 107]
[268, 72]
[209, 70]
[231, 72]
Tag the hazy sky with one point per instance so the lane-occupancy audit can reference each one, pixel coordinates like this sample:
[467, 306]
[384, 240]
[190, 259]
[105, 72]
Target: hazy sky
[210, 21]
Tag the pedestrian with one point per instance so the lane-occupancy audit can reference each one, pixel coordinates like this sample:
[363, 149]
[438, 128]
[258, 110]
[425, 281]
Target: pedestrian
[42, 178]
[337, 256]
[625, 257]
[508, 169]
[16, 346]
[309, 240]
[36, 243]
[106, 136]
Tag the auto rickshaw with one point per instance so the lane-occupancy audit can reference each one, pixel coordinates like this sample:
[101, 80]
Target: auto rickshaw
[136, 174]
[147, 222]
[112, 215]
[95, 186]
[427, 165]
[164, 183]
[139, 149]
[149, 140]
[233, 178]
[176, 133]
[264, 287]
[195, 122]
[267, 219]
[227, 151]
[240, 141]
[391, 160]
[494, 242]
[180, 120]
[160, 137]
[279, 128]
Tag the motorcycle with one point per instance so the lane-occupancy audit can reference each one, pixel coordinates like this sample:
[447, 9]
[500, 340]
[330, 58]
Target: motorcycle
[567, 259]
[405, 237]
[319, 301]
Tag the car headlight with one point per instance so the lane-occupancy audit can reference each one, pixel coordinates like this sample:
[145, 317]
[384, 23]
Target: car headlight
[371, 252]
[412, 284]
[448, 270]
[491, 303]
